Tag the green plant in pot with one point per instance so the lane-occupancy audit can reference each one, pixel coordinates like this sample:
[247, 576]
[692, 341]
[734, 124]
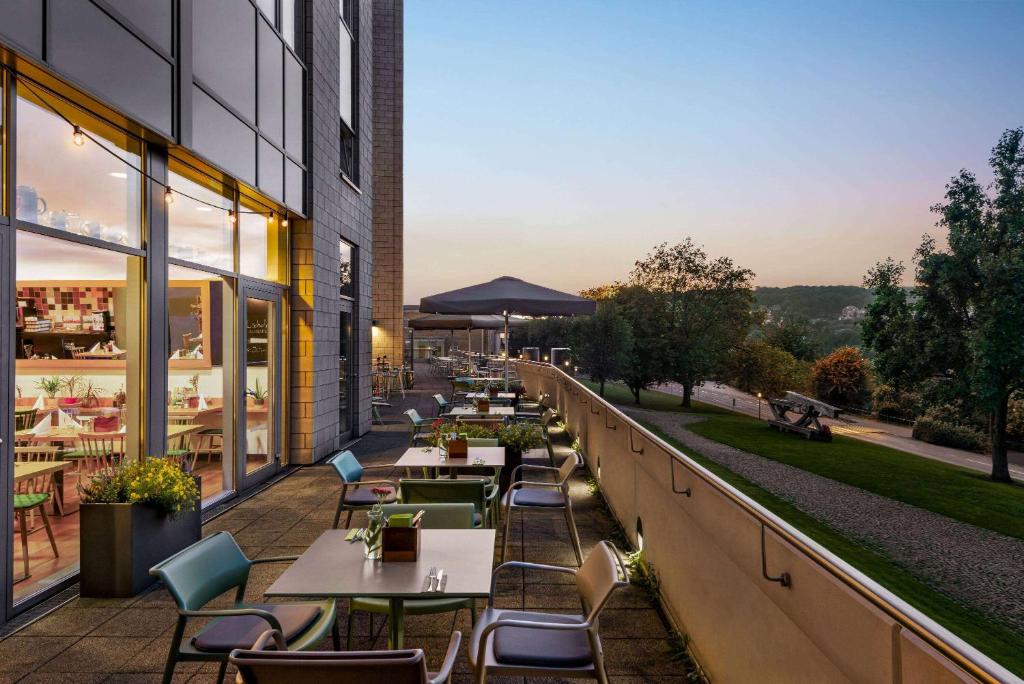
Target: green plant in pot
[50, 386]
[517, 438]
[72, 385]
[133, 517]
[258, 393]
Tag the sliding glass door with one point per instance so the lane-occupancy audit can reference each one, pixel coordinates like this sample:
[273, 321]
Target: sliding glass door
[259, 439]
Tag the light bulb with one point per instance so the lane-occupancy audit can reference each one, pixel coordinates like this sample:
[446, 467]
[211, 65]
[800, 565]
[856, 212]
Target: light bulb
[231, 216]
[284, 222]
[270, 218]
[78, 137]
[168, 196]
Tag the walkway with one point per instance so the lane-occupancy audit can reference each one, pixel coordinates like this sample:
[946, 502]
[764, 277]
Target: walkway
[977, 567]
[93, 640]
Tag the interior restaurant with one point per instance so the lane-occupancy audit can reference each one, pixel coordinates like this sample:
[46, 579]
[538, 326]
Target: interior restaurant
[149, 317]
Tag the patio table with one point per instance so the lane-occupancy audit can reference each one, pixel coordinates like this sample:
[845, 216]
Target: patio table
[335, 568]
[493, 411]
[485, 395]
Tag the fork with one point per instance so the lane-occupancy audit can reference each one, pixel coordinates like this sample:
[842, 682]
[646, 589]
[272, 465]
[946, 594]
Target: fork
[432, 576]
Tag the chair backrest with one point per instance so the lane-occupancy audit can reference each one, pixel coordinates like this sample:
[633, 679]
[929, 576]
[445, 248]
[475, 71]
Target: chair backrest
[444, 491]
[603, 571]
[101, 443]
[568, 467]
[415, 417]
[347, 467]
[438, 516]
[482, 441]
[441, 401]
[198, 574]
[34, 454]
[24, 420]
[258, 666]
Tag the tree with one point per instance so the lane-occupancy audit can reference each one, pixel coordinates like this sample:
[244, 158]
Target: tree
[841, 377]
[601, 293]
[544, 333]
[756, 366]
[643, 314]
[603, 343]
[887, 328]
[970, 304]
[793, 334]
[708, 308]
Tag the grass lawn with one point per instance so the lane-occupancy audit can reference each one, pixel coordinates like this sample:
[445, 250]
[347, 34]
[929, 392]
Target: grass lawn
[958, 493]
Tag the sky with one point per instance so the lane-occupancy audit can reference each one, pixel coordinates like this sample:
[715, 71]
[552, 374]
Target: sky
[560, 140]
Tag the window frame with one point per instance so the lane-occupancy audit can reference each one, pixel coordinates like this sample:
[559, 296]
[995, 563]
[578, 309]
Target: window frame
[348, 135]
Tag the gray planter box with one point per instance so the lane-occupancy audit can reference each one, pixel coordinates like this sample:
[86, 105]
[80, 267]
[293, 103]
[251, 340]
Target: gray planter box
[119, 543]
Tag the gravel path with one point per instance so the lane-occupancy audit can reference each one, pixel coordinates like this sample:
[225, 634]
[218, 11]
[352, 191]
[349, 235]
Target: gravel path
[979, 568]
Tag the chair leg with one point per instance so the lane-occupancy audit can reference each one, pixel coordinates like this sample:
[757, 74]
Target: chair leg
[508, 532]
[348, 519]
[336, 635]
[574, 535]
[49, 530]
[598, 653]
[23, 527]
[172, 655]
[222, 671]
[348, 635]
[337, 514]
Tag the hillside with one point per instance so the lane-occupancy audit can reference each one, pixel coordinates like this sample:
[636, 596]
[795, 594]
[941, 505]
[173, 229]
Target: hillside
[813, 302]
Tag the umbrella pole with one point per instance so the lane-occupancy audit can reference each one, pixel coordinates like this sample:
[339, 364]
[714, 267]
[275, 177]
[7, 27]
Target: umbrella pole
[508, 348]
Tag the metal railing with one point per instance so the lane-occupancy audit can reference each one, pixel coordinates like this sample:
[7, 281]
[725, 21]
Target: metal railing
[640, 440]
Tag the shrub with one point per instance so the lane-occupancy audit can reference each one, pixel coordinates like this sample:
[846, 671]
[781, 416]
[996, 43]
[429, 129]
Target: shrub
[156, 482]
[889, 403]
[520, 436]
[933, 428]
[841, 377]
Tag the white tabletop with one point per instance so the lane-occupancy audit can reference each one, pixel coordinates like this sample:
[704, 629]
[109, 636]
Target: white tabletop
[493, 411]
[333, 567]
[485, 395]
[416, 457]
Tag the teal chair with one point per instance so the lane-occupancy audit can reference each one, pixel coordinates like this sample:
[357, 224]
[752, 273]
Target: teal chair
[420, 426]
[443, 516]
[212, 566]
[476, 492]
[442, 404]
[492, 474]
[357, 493]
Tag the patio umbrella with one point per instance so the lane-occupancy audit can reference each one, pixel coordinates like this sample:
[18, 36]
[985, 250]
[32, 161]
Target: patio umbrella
[468, 322]
[507, 296]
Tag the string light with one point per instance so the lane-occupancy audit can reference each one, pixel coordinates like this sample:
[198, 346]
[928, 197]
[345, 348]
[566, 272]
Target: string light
[231, 215]
[270, 218]
[77, 136]
[284, 221]
[168, 195]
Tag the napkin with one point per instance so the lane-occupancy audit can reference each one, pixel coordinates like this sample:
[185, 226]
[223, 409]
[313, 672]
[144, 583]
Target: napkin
[95, 347]
[40, 403]
[124, 429]
[66, 421]
[42, 427]
[176, 355]
[202, 406]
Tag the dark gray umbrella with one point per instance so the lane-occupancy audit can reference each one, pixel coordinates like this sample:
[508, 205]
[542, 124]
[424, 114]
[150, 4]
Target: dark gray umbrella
[507, 296]
[468, 322]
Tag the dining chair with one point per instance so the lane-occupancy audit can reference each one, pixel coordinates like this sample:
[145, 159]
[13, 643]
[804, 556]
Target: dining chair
[536, 495]
[443, 516]
[180, 447]
[31, 495]
[200, 573]
[209, 443]
[357, 494]
[476, 492]
[97, 451]
[267, 662]
[25, 419]
[39, 454]
[419, 424]
[442, 404]
[520, 643]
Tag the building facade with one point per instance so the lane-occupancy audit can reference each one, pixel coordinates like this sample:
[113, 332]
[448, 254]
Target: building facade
[187, 234]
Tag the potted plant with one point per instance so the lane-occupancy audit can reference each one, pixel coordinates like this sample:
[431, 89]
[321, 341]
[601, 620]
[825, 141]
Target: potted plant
[193, 386]
[132, 518]
[258, 393]
[516, 438]
[90, 396]
[50, 386]
[71, 385]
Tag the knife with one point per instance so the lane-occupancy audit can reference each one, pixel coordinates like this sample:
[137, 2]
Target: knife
[440, 576]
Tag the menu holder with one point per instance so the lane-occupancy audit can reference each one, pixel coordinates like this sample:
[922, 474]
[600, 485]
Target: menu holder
[458, 448]
[400, 544]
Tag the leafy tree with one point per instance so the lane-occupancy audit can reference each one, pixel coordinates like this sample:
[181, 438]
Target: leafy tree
[888, 326]
[601, 293]
[841, 377]
[708, 309]
[793, 334]
[643, 314]
[603, 343]
[545, 333]
[756, 366]
[970, 306]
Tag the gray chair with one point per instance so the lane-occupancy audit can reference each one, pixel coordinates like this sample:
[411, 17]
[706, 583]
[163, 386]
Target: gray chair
[356, 493]
[517, 643]
[457, 516]
[443, 405]
[550, 496]
[268, 663]
[420, 426]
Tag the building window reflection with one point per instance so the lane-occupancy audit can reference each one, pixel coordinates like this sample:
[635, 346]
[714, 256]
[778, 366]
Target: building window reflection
[200, 220]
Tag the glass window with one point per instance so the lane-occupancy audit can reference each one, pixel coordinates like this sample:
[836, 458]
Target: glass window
[348, 288]
[77, 376]
[199, 310]
[84, 182]
[199, 225]
[261, 242]
[345, 75]
[345, 370]
[288, 22]
[269, 8]
[260, 360]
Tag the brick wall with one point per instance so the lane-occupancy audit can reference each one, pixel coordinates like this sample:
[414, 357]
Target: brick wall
[387, 179]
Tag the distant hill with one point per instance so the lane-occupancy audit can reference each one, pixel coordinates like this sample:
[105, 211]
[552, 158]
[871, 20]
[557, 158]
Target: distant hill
[814, 302]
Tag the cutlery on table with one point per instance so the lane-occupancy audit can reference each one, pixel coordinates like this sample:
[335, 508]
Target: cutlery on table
[441, 577]
[431, 577]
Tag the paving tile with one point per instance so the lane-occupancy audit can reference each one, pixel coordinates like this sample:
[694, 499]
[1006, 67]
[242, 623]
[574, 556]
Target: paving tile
[70, 621]
[138, 622]
[97, 654]
[29, 653]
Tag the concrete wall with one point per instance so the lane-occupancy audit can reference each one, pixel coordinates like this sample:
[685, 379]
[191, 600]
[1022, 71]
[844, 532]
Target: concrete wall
[828, 625]
[387, 178]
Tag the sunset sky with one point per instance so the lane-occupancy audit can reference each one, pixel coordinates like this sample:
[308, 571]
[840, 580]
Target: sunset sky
[559, 141]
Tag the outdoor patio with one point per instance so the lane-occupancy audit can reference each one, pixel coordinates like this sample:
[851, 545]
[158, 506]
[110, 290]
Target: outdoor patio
[108, 640]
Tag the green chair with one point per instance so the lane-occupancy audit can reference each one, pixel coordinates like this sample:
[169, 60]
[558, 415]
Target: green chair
[202, 572]
[356, 493]
[491, 474]
[458, 516]
[420, 426]
[476, 492]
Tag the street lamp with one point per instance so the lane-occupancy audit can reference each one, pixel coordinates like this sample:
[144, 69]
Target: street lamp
[759, 406]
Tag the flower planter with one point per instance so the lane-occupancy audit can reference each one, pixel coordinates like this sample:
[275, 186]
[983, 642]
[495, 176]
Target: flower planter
[513, 459]
[120, 542]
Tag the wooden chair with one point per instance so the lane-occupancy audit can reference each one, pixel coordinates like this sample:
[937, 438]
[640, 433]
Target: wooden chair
[550, 496]
[208, 442]
[38, 454]
[31, 495]
[213, 566]
[356, 493]
[435, 517]
[517, 643]
[25, 419]
[180, 447]
[267, 662]
[97, 451]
